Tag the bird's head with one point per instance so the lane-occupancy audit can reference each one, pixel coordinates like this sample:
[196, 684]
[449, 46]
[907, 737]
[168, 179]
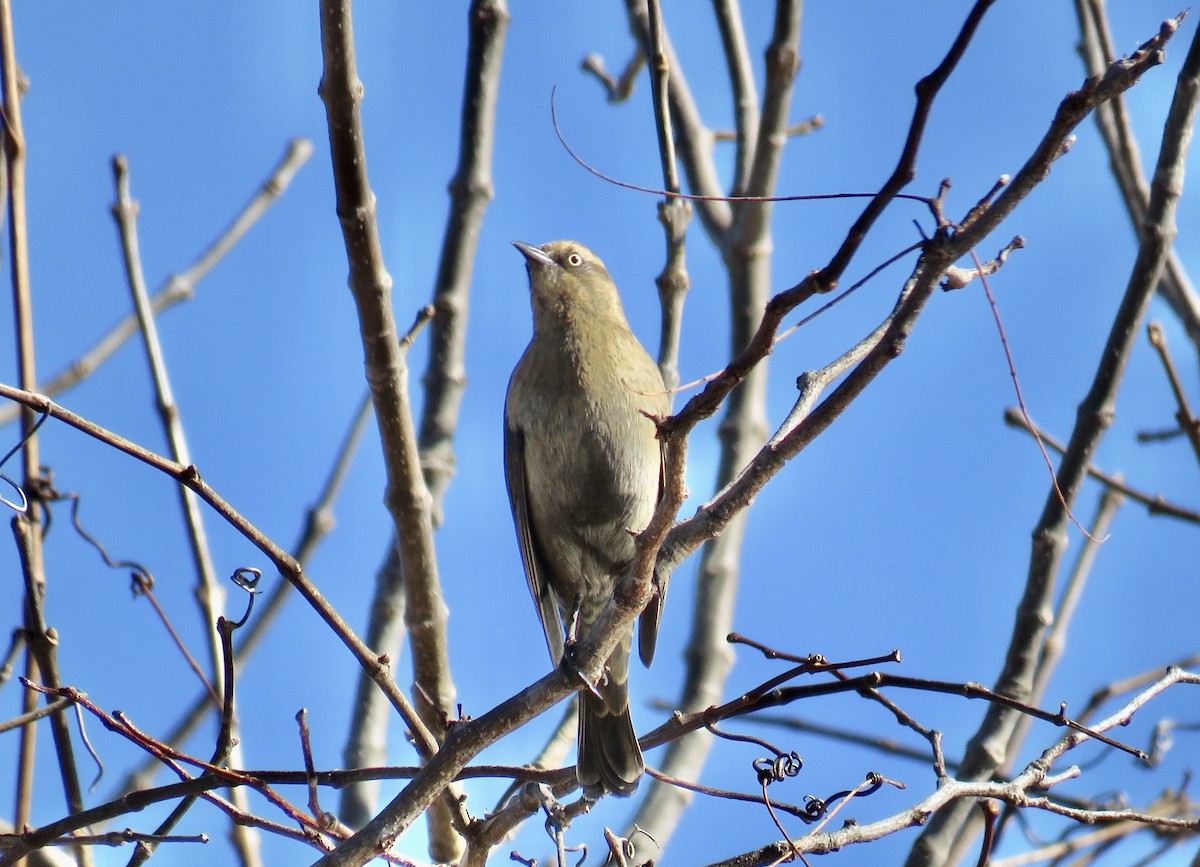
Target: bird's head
[566, 278]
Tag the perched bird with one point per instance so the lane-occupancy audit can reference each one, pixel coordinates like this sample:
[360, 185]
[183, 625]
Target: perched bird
[584, 472]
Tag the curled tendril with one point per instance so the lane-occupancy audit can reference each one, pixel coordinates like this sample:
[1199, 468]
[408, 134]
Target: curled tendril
[814, 807]
[779, 768]
[246, 577]
[875, 779]
[140, 581]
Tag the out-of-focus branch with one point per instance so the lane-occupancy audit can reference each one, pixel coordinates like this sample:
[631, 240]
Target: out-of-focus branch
[1056, 638]
[1055, 644]
[407, 497]
[782, 65]
[470, 192]
[745, 93]
[674, 213]
[1188, 422]
[1096, 47]
[181, 287]
[1085, 846]
[692, 137]
[366, 740]
[986, 750]
[616, 88]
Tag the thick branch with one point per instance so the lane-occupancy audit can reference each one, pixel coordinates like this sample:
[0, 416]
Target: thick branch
[408, 499]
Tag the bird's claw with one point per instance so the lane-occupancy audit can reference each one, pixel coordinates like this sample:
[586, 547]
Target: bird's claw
[569, 664]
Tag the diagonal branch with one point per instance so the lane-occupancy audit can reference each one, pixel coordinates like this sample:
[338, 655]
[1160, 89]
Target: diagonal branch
[180, 287]
[986, 750]
[283, 561]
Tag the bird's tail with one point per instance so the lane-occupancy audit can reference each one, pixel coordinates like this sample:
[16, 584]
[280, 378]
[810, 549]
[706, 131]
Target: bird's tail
[610, 759]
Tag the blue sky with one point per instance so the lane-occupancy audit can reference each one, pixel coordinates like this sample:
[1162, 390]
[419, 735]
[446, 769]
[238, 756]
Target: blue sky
[906, 525]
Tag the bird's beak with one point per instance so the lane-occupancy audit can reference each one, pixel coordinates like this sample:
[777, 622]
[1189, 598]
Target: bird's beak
[533, 254]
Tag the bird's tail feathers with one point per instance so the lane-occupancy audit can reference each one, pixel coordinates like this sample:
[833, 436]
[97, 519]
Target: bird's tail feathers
[610, 759]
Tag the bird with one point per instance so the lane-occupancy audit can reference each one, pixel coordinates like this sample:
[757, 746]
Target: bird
[584, 471]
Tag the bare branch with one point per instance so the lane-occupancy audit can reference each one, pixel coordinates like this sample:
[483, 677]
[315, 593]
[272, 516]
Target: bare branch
[1156, 504]
[407, 497]
[986, 750]
[180, 287]
[1126, 161]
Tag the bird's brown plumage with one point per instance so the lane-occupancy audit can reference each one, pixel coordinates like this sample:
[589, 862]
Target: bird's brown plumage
[583, 468]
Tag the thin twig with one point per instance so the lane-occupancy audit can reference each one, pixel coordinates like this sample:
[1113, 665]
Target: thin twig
[319, 521]
[1126, 161]
[209, 594]
[673, 213]
[1155, 504]
[1184, 415]
[180, 287]
[287, 565]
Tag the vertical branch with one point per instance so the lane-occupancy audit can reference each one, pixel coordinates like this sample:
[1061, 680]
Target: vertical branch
[745, 94]
[222, 749]
[366, 738]
[470, 193]
[407, 496]
[27, 526]
[14, 154]
[445, 375]
[674, 213]
[986, 750]
[42, 643]
[1125, 158]
[693, 138]
[209, 593]
[745, 243]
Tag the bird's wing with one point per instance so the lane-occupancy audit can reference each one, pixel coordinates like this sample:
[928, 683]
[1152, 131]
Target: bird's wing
[536, 570]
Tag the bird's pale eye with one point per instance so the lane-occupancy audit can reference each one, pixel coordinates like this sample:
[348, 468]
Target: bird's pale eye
[574, 260]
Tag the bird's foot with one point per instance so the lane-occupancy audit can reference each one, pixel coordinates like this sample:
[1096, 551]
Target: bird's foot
[569, 664]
